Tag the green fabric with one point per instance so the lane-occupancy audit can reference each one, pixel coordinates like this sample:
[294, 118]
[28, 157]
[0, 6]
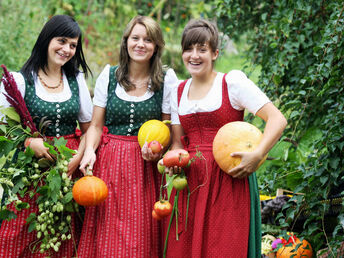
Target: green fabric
[126, 117]
[255, 238]
[62, 115]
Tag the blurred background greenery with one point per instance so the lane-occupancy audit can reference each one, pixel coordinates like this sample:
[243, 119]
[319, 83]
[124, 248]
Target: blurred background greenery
[102, 23]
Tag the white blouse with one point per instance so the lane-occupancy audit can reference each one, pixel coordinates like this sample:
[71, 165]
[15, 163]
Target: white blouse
[86, 107]
[242, 92]
[101, 90]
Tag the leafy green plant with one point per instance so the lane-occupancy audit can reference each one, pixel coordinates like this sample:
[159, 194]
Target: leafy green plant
[24, 177]
[299, 46]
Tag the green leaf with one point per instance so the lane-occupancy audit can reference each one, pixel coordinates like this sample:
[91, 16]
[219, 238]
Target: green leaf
[67, 198]
[31, 217]
[59, 142]
[32, 226]
[54, 180]
[7, 215]
[11, 113]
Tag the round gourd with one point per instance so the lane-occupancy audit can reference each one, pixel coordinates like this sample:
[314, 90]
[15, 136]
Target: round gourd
[235, 137]
[154, 130]
[304, 250]
[90, 191]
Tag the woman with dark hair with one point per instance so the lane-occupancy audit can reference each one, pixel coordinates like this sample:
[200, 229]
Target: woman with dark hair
[52, 87]
[125, 97]
[224, 213]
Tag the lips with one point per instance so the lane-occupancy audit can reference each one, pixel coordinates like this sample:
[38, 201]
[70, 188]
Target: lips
[62, 55]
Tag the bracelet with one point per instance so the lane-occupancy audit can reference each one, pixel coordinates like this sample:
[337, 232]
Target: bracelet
[27, 142]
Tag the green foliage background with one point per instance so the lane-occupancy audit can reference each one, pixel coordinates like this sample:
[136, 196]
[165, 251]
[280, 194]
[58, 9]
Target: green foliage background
[296, 49]
[299, 46]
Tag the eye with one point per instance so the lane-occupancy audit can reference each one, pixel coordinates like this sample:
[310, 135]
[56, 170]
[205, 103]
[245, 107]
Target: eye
[148, 40]
[73, 46]
[135, 37]
[61, 40]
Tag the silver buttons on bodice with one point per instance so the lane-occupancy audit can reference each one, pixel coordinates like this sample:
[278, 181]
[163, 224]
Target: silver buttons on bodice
[131, 125]
[57, 122]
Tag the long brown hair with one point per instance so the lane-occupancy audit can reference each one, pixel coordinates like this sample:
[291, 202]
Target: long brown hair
[156, 71]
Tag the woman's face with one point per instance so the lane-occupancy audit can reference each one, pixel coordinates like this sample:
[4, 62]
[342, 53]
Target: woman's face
[140, 46]
[198, 59]
[61, 50]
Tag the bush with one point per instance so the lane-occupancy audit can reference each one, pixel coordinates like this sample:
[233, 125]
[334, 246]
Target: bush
[299, 46]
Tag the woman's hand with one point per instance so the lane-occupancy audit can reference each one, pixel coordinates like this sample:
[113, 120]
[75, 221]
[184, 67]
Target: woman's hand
[36, 144]
[173, 170]
[87, 160]
[148, 155]
[73, 164]
[248, 165]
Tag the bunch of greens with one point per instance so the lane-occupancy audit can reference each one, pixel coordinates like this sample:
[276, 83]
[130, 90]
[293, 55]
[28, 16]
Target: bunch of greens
[24, 177]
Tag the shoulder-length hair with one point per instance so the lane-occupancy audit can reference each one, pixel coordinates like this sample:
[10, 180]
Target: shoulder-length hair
[200, 31]
[156, 71]
[57, 26]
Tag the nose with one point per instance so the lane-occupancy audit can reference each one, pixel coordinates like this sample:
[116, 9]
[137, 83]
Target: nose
[66, 48]
[140, 43]
[194, 53]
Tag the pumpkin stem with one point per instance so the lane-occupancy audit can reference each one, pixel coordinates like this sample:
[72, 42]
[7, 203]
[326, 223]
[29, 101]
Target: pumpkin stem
[166, 122]
[88, 172]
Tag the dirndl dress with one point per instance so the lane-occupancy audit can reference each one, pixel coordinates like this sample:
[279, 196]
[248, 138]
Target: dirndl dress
[122, 226]
[218, 221]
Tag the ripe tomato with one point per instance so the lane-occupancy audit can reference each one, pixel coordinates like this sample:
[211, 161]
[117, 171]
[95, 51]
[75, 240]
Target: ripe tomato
[177, 157]
[155, 216]
[179, 182]
[155, 146]
[163, 208]
[161, 167]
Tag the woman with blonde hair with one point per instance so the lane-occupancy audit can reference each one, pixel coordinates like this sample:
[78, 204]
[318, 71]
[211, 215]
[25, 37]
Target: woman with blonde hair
[125, 97]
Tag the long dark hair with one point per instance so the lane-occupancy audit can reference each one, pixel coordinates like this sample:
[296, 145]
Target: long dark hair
[57, 26]
[156, 70]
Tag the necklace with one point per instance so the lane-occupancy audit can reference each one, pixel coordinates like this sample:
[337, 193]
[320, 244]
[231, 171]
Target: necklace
[50, 87]
[141, 84]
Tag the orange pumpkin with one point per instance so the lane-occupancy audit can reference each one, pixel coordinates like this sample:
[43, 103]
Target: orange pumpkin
[304, 250]
[154, 130]
[90, 191]
[235, 137]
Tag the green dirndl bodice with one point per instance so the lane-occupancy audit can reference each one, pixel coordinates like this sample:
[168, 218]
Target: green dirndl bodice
[126, 117]
[62, 115]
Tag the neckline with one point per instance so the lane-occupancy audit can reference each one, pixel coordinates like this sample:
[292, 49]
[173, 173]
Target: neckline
[188, 83]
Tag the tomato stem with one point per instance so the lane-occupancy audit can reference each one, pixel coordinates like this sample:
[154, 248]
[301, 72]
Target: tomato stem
[176, 211]
[187, 207]
[161, 186]
[175, 206]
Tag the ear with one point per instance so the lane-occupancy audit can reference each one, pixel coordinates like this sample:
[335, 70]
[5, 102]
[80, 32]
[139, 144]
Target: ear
[215, 55]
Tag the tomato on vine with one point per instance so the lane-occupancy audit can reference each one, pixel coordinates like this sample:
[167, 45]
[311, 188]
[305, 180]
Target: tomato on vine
[179, 182]
[163, 208]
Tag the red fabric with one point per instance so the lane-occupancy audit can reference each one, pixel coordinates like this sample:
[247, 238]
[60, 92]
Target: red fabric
[15, 241]
[219, 209]
[123, 226]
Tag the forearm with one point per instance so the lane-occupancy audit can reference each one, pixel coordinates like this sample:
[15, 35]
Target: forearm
[272, 133]
[93, 137]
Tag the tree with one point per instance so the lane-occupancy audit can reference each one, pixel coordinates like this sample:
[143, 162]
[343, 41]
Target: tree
[300, 48]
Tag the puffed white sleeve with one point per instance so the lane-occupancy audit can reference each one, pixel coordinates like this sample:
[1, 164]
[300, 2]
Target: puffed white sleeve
[174, 106]
[20, 81]
[170, 82]
[101, 88]
[243, 93]
[86, 106]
